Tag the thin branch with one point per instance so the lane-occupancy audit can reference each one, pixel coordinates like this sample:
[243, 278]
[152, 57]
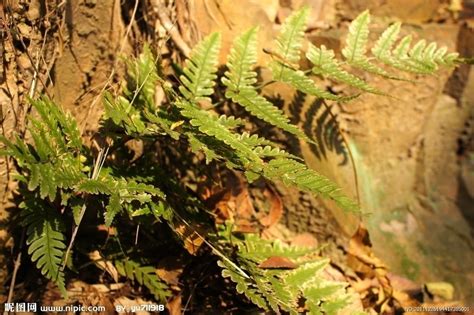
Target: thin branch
[170, 28]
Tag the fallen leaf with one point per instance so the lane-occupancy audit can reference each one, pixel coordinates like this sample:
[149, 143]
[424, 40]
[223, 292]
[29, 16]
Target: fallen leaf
[104, 264]
[364, 262]
[277, 262]
[169, 269]
[276, 209]
[174, 305]
[192, 235]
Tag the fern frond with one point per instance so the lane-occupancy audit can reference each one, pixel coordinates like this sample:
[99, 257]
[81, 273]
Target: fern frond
[241, 60]
[356, 40]
[142, 80]
[383, 47]
[210, 125]
[302, 83]
[297, 174]
[254, 140]
[304, 274]
[290, 39]
[240, 79]
[123, 114]
[356, 46]
[145, 276]
[199, 73]
[326, 65]
[280, 289]
[421, 58]
[45, 240]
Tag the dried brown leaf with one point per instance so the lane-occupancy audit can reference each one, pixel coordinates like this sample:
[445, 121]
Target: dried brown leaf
[277, 262]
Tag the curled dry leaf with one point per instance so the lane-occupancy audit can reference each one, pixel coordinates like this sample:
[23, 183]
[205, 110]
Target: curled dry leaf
[169, 269]
[277, 262]
[104, 264]
[192, 235]
[276, 209]
[363, 261]
[174, 305]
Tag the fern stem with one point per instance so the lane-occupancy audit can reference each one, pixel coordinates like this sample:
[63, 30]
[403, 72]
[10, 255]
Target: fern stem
[95, 174]
[16, 267]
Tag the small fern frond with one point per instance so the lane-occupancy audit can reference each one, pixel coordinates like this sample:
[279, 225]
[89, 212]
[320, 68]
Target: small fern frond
[145, 276]
[289, 42]
[239, 81]
[356, 40]
[290, 39]
[45, 240]
[241, 60]
[210, 125]
[298, 80]
[279, 289]
[297, 174]
[142, 80]
[383, 47]
[326, 65]
[356, 46]
[199, 74]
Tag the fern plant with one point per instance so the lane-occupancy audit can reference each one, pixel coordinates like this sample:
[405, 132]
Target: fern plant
[61, 179]
[290, 281]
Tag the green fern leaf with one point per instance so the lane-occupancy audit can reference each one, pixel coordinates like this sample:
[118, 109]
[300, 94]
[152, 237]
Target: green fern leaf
[383, 47]
[240, 79]
[298, 80]
[143, 78]
[356, 40]
[241, 60]
[294, 173]
[356, 46]
[325, 64]
[303, 274]
[94, 186]
[112, 209]
[290, 39]
[199, 73]
[145, 276]
[45, 240]
[211, 126]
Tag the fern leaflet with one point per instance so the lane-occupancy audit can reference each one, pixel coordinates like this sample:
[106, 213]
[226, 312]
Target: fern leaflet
[199, 73]
[325, 64]
[240, 79]
[45, 240]
[146, 276]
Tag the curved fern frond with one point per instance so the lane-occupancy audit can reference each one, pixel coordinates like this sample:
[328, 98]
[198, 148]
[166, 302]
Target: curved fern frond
[298, 80]
[290, 40]
[356, 46]
[326, 65]
[297, 174]
[356, 40]
[383, 47]
[210, 125]
[142, 79]
[240, 79]
[242, 59]
[146, 276]
[45, 240]
[199, 73]
[280, 289]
